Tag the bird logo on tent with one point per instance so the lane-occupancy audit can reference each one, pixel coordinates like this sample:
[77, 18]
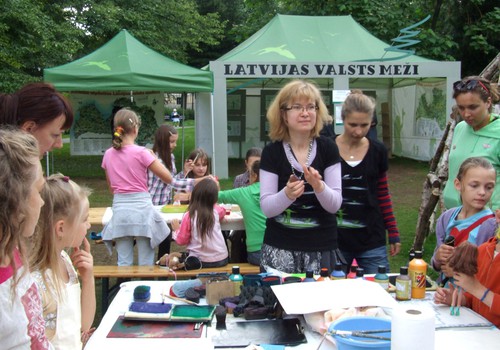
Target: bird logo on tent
[101, 64]
[278, 50]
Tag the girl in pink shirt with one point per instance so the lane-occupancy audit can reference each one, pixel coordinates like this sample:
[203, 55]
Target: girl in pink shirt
[200, 229]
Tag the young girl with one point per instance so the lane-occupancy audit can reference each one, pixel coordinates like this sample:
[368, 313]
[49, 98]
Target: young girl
[21, 322]
[248, 198]
[161, 193]
[134, 217]
[68, 310]
[482, 289]
[200, 228]
[366, 213]
[472, 221]
[195, 167]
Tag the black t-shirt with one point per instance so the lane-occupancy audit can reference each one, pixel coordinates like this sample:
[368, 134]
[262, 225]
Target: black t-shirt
[360, 221]
[304, 225]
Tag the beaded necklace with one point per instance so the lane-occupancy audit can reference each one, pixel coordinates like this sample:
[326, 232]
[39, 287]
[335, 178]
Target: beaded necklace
[290, 159]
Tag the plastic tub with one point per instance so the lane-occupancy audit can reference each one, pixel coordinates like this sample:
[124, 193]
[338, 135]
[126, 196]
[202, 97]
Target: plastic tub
[361, 323]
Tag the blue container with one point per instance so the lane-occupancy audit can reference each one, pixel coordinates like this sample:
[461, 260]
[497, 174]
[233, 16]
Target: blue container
[361, 323]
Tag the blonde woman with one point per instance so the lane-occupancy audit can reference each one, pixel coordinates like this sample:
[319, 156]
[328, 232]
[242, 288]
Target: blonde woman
[300, 183]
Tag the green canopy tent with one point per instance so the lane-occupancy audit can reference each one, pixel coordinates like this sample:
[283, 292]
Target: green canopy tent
[126, 65]
[335, 51]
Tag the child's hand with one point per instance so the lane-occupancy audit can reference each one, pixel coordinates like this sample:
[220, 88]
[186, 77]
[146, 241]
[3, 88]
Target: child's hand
[188, 166]
[443, 253]
[83, 260]
[468, 283]
[443, 295]
[175, 223]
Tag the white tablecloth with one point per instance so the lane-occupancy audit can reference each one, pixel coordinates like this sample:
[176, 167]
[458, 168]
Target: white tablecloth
[454, 338]
[233, 221]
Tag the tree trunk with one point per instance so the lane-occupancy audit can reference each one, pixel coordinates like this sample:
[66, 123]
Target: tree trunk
[433, 185]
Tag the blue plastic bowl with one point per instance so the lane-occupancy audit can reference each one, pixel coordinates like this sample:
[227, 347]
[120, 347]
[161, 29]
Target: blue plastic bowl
[361, 323]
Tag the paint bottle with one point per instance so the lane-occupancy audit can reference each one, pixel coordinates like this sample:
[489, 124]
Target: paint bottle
[337, 273]
[309, 276]
[237, 279]
[403, 284]
[382, 278]
[352, 270]
[360, 273]
[323, 275]
[417, 270]
[411, 255]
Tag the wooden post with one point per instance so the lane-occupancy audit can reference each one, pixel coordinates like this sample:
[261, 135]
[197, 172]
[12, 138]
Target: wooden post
[433, 185]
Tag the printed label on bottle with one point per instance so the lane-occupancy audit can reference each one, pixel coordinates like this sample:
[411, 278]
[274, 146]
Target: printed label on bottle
[383, 283]
[418, 279]
[403, 289]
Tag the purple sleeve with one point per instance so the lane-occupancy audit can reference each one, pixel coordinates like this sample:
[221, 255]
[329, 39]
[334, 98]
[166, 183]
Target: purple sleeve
[331, 196]
[272, 202]
[440, 236]
[487, 230]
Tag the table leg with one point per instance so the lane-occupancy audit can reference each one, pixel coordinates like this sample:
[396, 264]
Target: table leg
[104, 294]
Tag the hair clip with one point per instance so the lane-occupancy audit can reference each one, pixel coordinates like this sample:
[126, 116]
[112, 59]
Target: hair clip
[118, 131]
[65, 178]
[131, 122]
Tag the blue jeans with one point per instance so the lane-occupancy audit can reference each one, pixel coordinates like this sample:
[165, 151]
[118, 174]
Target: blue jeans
[369, 260]
[125, 249]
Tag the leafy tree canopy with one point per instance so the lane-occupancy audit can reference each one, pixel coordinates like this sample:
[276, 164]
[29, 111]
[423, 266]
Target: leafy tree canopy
[36, 34]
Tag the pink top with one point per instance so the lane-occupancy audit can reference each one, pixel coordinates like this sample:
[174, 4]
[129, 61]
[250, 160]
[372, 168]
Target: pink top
[127, 168]
[213, 248]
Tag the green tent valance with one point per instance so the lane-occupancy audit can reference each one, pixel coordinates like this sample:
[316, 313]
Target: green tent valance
[126, 64]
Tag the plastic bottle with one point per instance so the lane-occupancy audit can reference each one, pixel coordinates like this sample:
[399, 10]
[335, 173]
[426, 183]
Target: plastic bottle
[309, 276]
[411, 255]
[360, 273]
[337, 273]
[403, 284]
[352, 270]
[323, 275]
[237, 279]
[382, 278]
[418, 271]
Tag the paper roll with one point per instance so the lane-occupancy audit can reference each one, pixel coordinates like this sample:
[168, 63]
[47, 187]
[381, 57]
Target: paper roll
[412, 329]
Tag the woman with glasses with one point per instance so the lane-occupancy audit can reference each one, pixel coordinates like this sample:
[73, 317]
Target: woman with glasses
[366, 213]
[478, 135]
[300, 183]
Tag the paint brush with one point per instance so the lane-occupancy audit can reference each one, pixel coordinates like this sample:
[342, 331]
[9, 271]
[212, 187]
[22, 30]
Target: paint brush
[181, 299]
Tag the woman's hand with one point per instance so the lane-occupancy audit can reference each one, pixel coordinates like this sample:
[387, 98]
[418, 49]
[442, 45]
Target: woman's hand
[395, 248]
[294, 188]
[314, 178]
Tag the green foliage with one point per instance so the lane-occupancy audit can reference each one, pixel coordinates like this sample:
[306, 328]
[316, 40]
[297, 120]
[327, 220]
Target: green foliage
[172, 28]
[33, 35]
[90, 120]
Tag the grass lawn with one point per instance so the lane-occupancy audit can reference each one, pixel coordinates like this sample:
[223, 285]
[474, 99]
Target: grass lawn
[406, 178]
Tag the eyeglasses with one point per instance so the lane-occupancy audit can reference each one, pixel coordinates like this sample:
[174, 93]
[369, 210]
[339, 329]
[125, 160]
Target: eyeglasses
[469, 85]
[300, 108]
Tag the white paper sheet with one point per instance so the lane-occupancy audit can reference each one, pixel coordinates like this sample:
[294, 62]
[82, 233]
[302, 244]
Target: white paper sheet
[304, 298]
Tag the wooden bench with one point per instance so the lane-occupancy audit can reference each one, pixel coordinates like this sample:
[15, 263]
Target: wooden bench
[105, 272]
